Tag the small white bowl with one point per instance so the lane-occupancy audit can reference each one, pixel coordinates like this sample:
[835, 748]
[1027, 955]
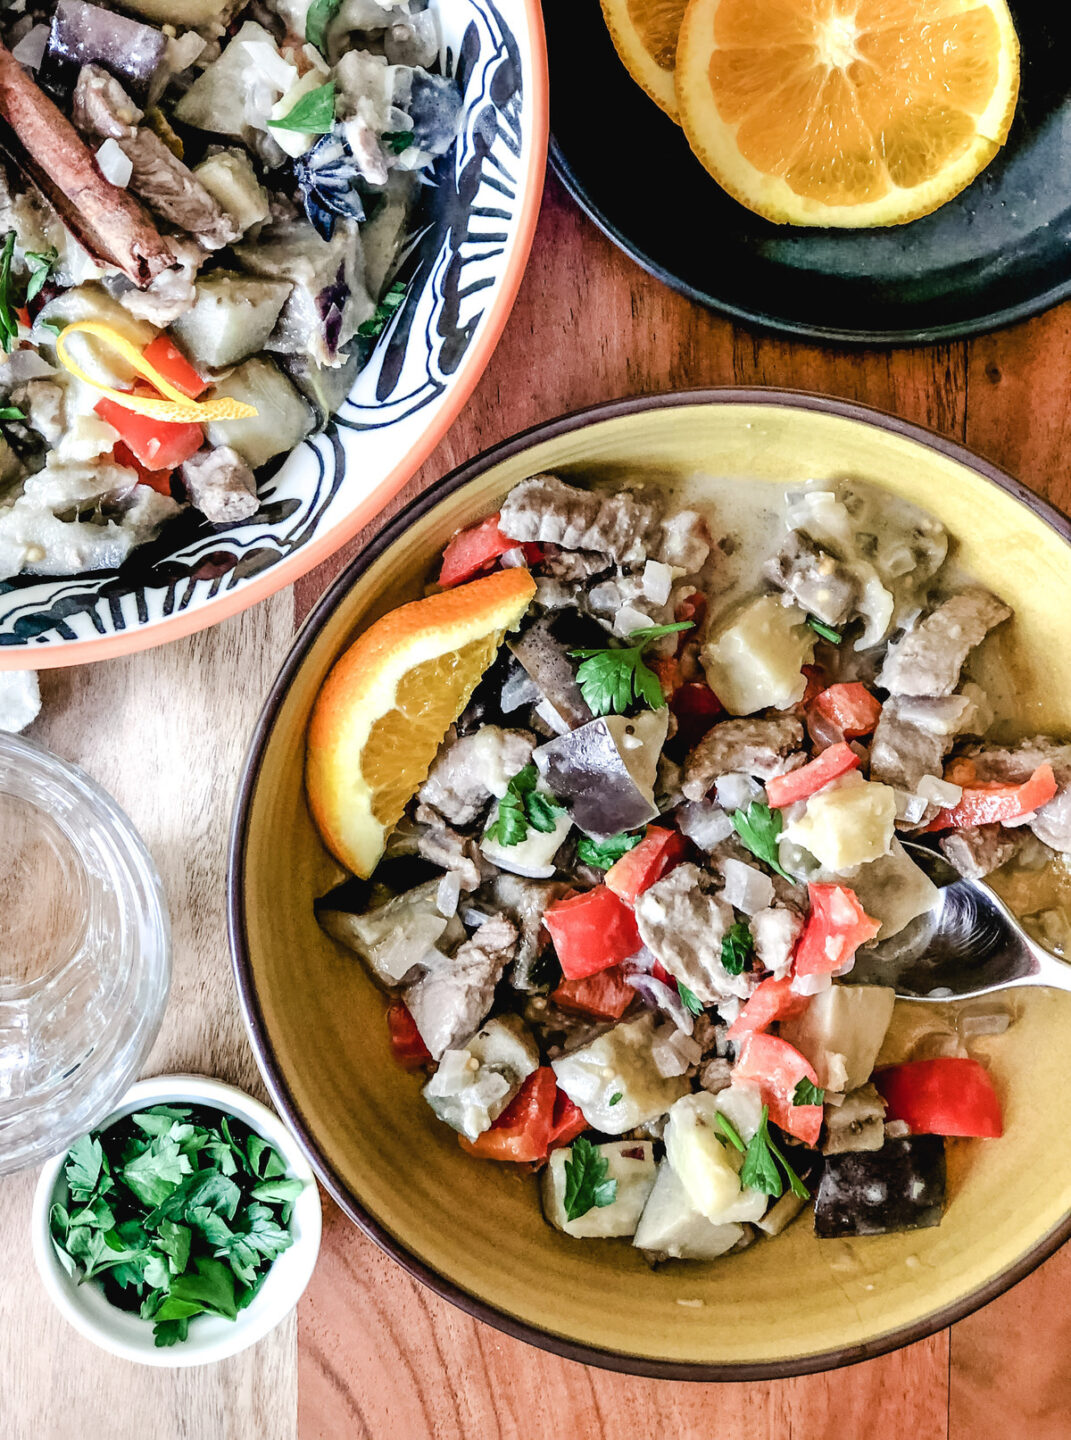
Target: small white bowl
[211, 1337]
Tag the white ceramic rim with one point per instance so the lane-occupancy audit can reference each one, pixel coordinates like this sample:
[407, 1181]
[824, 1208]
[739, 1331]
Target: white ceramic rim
[273, 1303]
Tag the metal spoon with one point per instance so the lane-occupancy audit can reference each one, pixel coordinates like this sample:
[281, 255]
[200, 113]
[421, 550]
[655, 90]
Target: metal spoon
[968, 944]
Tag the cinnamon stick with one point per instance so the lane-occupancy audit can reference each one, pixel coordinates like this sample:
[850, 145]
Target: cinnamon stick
[43, 143]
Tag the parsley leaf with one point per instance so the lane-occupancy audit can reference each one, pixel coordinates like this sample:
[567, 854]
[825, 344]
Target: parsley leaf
[826, 631]
[398, 140]
[9, 321]
[729, 1130]
[40, 262]
[759, 827]
[759, 1170]
[157, 1171]
[586, 1185]
[11, 412]
[521, 806]
[689, 999]
[85, 1161]
[612, 680]
[616, 1097]
[313, 114]
[319, 17]
[808, 1093]
[737, 947]
[391, 301]
[604, 853]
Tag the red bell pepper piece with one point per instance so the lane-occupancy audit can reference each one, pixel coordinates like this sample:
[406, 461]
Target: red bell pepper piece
[692, 608]
[640, 867]
[659, 972]
[849, 708]
[951, 1095]
[777, 1067]
[770, 1000]
[169, 362]
[473, 552]
[522, 1131]
[566, 1123]
[668, 670]
[785, 790]
[989, 802]
[696, 708]
[406, 1045]
[591, 932]
[606, 996]
[158, 480]
[158, 444]
[835, 928]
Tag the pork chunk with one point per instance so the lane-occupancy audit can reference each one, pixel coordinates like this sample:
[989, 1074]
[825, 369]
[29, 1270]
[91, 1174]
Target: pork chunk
[443, 846]
[221, 485]
[683, 927]
[545, 509]
[763, 748]
[977, 853]
[913, 737]
[525, 902]
[468, 771]
[450, 1001]
[1014, 764]
[928, 659]
[817, 581]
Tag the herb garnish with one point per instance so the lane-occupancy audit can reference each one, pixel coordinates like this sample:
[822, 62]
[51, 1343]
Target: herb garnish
[313, 114]
[759, 1170]
[729, 1130]
[604, 853]
[586, 1185]
[808, 1093]
[384, 310]
[521, 806]
[398, 140]
[176, 1214]
[616, 1098]
[737, 947]
[759, 827]
[319, 17]
[40, 263]
[689, 999]
[612, 680]
[9, 321]
[11, 412]
[826, 631]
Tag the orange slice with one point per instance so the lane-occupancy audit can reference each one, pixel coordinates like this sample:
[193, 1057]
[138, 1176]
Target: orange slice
[387, 703]
[846, 112]
[645, 33]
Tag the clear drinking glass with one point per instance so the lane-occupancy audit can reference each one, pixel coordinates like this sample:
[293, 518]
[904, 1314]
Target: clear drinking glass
[85, 953]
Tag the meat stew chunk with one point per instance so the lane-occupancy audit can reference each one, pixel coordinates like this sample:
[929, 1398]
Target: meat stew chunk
[928, 659]
[763, 748]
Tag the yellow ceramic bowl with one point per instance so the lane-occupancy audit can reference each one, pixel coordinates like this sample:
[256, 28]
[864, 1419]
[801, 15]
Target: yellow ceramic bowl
[473, 1230]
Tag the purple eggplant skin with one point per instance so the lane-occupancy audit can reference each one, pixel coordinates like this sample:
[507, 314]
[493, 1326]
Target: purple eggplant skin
[544, 651]
[585, 770]
[84, 34]
[876, 1192]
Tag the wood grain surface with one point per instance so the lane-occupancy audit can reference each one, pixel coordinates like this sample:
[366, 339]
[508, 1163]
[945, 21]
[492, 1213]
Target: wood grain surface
[377, 1355]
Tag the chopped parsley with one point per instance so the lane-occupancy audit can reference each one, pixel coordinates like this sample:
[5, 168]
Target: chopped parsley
[758, 827]
[398, 140]
[826, 631]
[737, 947]
[11, 412]
[604, 853]
[689, 999]
[616, 1098]
[40, 263]
[9, 321]
[176, 1212]
[586, 1185]
[313, 114]
[759, 1170]
[729, 1130]
[612, 680]
[319, 17]
[521, 806]
[391, 301]
[808, 1093]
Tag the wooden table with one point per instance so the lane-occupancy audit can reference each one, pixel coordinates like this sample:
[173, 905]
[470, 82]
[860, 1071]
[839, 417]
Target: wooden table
[371, 1353]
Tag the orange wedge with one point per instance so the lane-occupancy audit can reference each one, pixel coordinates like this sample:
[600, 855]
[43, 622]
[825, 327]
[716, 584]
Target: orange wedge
[846, 112]
[645, 33]
[387, 703]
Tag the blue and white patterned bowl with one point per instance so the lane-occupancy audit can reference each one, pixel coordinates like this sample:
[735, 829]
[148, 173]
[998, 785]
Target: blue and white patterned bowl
[477, 225]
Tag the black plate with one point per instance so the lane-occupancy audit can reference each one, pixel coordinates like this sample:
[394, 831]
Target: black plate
[999, 252]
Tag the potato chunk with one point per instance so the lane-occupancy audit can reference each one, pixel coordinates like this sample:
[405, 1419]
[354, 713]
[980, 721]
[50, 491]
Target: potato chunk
[231, 318]
[847, 825]
[282, 417]
[755, 660]
[631, 1164]
[619, 1064]
[841, 1032]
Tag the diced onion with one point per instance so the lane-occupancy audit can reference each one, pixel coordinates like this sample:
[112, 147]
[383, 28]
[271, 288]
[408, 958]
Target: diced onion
[448, 894]
[940, 792]
[546, 711]
[453, 1074]
[811, 984]
[746, 889]
[271, 65]
[519, 689]
[735, 791]
[473, 919]
[897, 1130]
[909, 807]
[514, 559]
[30, 50]
[705, 824]
[115, 166]
[673, 1052]
[657, 582]
[628, 619]
[658, 994]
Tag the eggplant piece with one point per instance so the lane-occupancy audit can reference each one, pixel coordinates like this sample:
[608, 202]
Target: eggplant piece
[605, 771]
[543, 649]
[83, 34]
[876, 1192]
[392, 876]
